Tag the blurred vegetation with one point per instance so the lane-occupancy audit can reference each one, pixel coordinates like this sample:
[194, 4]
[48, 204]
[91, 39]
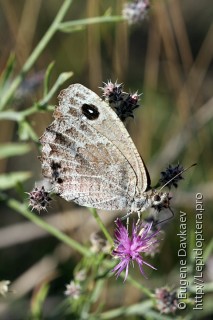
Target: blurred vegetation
[47, 45]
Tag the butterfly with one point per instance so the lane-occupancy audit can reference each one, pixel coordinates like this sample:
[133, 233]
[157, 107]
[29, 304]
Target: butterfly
[90, 159]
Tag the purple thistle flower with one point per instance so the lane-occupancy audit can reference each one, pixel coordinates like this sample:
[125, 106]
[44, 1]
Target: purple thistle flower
[129, 249]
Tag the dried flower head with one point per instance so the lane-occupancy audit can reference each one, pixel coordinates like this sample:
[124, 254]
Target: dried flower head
[122, 102]
[39, 199]
[129, 249]
[135, 11]
[80, 275]
[166, 300]
[169, 174]
[99, 244]
[125, 106]
[4, 284]
[112, 90]
[73, 290]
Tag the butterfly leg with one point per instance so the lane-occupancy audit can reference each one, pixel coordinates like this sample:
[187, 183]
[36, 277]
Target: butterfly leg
[127, 223]
[139, 217]
[126, 217]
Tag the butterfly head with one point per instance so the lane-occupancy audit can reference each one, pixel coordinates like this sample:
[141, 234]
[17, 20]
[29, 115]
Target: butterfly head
[151, 199]
[160, 200]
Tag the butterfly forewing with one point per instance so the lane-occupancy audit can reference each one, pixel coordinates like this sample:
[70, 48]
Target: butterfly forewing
[88, 154]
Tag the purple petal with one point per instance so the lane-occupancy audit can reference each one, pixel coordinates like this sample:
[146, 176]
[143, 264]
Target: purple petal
[120, 267]
[140, 263]
[127, 271]
[149, 265]
[121, 232]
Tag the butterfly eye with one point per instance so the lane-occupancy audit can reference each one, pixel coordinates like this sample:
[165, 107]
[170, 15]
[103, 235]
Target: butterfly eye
[90, 111]
[157, 198]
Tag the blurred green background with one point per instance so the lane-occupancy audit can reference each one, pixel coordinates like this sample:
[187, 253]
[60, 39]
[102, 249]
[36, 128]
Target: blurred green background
[168, 58]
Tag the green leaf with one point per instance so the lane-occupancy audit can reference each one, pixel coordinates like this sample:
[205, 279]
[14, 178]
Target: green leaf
[47, 77]
[76, 24]
[11, 115]
[8, 94]
[26, 132]
[13, 149]
[72, 28]
[6, 74]
[61, 79]
[9, 180]
[38, 301]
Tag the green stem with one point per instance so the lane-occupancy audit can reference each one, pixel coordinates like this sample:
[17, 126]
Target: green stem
[138, 285]
[27, 112]
[101, 225]
[68, 26]
[126, 311]
[21, 208]
[35, 54]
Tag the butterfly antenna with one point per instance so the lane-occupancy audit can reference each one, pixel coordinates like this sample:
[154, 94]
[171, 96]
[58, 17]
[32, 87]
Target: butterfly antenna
[178, 174]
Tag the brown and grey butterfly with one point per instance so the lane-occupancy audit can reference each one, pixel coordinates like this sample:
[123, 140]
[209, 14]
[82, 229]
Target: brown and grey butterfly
[90, 158]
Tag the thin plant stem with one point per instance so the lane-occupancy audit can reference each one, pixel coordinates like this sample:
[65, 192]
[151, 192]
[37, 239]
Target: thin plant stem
[141, 309]
[138, 285]
[35, 54]
[21, 208]
[67, 26]
[101, 225]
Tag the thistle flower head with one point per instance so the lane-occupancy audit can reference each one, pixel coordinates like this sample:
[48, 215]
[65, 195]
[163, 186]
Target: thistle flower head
[169, 174]
[39, 198]
[166, 300]
[122, 102]
[112, 90]
[129, 248]
[73, 290]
